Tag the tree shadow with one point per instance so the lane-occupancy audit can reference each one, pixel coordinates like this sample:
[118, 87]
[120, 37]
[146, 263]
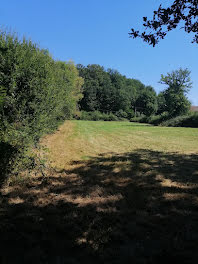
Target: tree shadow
[136, 207]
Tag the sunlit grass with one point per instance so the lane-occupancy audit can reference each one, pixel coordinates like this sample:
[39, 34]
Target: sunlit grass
[79, 140]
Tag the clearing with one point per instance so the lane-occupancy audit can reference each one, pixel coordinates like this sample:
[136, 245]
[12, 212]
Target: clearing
[118, 192]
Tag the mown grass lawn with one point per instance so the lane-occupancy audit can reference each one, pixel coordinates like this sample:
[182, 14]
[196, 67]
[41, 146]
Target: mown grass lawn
[78, 140]
[118, 192]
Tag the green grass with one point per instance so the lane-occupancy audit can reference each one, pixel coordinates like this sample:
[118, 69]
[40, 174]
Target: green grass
[84, 140]
[117, 192]
[125, 136]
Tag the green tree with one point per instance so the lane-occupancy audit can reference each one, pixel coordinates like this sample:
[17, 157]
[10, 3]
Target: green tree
[146, 102]
[167, 19]
[161, 102]
[93, 83]
[109, 91]
[179, 83]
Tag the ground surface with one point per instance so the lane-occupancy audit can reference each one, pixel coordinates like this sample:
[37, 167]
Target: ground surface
[118, 192]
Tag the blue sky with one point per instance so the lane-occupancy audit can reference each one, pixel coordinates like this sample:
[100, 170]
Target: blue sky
[96, 31]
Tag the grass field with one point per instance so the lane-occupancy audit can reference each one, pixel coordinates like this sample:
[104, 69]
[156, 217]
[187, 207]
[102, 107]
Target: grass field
[118, 192]
[79, 140]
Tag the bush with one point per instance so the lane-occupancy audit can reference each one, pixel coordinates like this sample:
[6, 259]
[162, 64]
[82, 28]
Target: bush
[140, 119]
[130, 114]
[37, 93]
[154, 119]
[112, 117]
[96, 116]
[158, 119]
[121, 114]
[190, 120]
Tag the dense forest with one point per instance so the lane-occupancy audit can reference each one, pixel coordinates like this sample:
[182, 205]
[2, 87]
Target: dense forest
[109, 91]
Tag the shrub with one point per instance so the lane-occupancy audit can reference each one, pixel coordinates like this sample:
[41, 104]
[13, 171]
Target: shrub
[158, 119]
[37, 93]
[121, 114]
[154, 119]
[112, 117]
[190, 120]
[96, 116]
[130, 114]
[141, 119]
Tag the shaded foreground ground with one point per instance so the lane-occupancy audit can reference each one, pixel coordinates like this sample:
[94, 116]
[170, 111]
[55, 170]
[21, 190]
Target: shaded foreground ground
[135, 207]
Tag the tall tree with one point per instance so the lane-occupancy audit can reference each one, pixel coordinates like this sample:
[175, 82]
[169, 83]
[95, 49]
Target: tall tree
[146, 102]
[179, 83]
[167, 19]
[161, 103]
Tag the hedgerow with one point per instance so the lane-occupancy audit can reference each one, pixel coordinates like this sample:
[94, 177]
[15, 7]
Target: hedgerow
[190, 120]
[37, 93]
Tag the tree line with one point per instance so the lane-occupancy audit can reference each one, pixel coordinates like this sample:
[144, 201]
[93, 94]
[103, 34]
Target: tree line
[108, 91]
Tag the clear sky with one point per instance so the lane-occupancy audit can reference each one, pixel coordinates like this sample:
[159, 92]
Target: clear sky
[96, 31]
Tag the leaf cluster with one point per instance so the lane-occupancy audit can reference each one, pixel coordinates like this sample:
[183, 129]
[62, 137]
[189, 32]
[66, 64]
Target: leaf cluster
[173, 99]
[167, 19]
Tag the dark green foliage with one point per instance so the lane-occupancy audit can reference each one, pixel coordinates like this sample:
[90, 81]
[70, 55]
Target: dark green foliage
[98, 116]
[112, 117]
[153, 119]
[121, 114]
[124, 98]
[36, 92]
[147, 101]
[99, 91]
[141, 119]
[130, 113]
[161, 102]
[171, 102]
[2, 96]
[190, 120]
[158, 119]
[173, 99]
[177, 103]
[109, 91]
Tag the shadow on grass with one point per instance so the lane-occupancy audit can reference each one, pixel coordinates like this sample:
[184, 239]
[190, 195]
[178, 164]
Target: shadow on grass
[139, 207]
